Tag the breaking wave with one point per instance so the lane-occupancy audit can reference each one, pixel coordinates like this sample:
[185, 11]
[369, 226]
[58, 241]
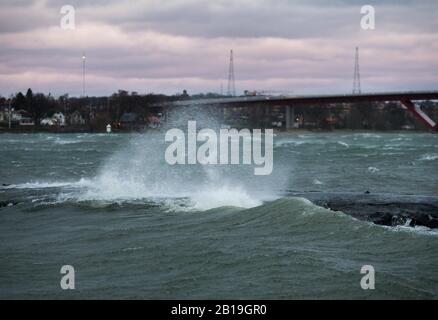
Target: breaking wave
[429, 157]
[138, 172]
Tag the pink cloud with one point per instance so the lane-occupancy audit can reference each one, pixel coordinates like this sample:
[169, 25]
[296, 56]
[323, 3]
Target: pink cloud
[49, 59]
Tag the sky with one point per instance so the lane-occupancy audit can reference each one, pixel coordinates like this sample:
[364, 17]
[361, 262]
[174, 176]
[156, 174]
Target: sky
[167, 46]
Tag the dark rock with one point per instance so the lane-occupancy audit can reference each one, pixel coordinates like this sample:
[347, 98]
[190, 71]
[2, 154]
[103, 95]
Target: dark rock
[7, 203]
[383, 209]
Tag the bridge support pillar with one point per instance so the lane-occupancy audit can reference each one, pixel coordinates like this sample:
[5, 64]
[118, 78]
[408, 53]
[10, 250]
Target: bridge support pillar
[419, 114]
[290, 117]
[165, 114]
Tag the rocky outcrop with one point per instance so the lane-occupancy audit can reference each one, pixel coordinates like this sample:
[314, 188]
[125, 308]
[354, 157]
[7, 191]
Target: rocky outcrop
[382, 209]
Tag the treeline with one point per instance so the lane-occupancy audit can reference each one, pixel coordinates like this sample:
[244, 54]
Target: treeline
[98, 111]
[39, 105]
[35, 104]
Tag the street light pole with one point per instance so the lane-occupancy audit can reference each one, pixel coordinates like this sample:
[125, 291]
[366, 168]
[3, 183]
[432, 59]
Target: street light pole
[83, 74]
[9, 117]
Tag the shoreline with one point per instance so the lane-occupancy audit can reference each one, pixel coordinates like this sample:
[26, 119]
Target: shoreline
[62, 130]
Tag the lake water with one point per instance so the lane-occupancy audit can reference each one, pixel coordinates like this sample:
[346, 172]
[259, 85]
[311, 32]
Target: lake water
[133, 226]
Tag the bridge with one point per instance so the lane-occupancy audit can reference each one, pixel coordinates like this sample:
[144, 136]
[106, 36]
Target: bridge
[405, 98]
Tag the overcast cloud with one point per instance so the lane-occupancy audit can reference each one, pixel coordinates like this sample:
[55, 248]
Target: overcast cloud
[167, 46]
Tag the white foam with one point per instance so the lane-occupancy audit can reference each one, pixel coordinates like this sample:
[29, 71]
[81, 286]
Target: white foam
[109, 188]
[223, 196]
[429, 157]
[287, 143]
[343, 144]
[368, 135]
[61, 141]
[373, 169]
[420, 230]
[42, 185]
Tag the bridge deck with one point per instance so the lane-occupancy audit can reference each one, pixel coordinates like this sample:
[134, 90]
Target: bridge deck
[311, 99]
[405, 98]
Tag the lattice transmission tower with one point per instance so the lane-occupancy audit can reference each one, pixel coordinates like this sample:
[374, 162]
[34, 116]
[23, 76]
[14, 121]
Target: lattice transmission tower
[231, 90]
[356, 81]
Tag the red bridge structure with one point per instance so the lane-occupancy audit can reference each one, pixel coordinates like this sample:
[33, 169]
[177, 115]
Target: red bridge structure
[405, 98]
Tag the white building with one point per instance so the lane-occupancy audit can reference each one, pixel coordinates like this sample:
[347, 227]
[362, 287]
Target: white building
[58, 119]
[20, 117]
[46, 122]
[76, 118]
[3, 115]
[23, 118]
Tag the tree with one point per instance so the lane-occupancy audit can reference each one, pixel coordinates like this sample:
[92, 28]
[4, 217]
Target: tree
[29, 101]
[19, 101]
[40, 105]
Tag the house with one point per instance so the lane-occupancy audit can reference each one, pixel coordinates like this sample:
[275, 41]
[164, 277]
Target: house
[26, 121]
[57, 119]
[154, 122]
[76, 118]
[23, 118]
[131, 121]
[20, 117]
[46, 122]
[4, 114]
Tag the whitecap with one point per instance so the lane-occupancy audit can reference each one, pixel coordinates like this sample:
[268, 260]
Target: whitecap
[373, 169]
[429, 157]
[343, 144]
[224, 196]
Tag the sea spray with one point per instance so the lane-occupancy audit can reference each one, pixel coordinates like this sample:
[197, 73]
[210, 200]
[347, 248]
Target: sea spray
[139, 171]
[215, 148]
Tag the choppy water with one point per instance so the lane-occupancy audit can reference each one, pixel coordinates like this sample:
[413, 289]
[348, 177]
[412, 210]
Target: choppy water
[134, 227]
